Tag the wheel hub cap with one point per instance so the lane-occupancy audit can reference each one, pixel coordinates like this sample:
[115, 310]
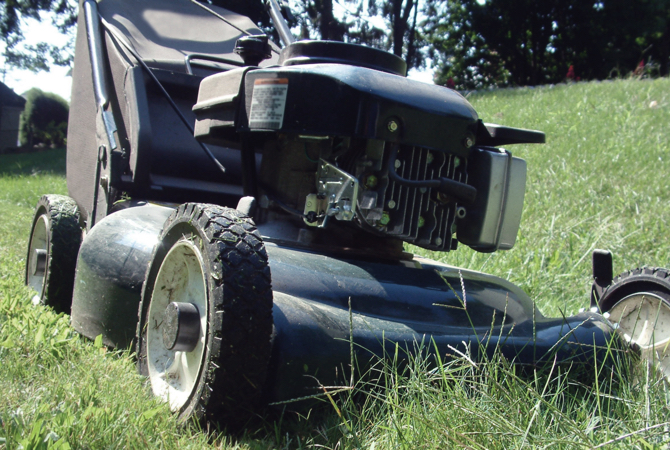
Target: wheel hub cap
[643, 320]
[181, 327]
[39, 262]
[177, 325]
[38, 255]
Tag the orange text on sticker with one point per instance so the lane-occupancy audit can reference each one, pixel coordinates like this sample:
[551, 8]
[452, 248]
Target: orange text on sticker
[271, 81]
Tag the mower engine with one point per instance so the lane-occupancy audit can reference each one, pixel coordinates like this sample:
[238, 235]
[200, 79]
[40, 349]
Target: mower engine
[346, 138]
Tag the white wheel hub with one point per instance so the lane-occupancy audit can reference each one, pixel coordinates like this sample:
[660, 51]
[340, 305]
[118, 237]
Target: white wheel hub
[38, 254]
[644, 321]
[174, 374]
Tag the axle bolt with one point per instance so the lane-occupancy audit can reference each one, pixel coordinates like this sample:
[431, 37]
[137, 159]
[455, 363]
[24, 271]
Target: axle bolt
[392, 126]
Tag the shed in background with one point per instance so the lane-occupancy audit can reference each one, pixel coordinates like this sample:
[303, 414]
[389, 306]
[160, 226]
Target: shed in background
[11, 107]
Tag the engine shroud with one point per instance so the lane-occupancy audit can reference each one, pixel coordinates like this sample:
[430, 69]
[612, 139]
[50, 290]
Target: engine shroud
[418, 215]
[344, 143]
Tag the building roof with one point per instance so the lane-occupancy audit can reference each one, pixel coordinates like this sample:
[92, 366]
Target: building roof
[10, 98]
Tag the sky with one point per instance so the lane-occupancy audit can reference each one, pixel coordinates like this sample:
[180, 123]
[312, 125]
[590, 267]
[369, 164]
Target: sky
[58, 81]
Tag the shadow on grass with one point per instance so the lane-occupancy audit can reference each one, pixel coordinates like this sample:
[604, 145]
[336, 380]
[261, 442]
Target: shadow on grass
[47, 161]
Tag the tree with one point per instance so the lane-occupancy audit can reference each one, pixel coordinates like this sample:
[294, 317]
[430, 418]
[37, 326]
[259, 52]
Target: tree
[317, 20]
[459, 53]
[37, 57]
[357, 25]
[401, 17]
[44, 119]
[526, 42]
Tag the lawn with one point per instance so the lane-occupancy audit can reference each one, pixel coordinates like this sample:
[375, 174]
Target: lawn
[601, 181]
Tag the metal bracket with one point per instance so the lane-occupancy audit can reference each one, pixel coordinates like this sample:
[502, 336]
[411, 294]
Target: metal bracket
[98, 69]
[602, 274]
[337, 195]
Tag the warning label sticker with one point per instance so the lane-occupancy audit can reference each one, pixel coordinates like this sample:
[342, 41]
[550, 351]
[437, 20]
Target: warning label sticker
[268, 102]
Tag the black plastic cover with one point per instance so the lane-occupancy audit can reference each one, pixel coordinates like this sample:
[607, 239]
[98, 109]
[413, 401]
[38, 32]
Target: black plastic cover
[332, 52]
[492, 135]
[349, 101]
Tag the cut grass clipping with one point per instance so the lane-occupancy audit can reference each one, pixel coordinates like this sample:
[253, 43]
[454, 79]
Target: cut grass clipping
[601, 181]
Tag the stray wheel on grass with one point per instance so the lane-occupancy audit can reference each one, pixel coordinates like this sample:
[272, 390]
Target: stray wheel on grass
[638, 301]
[205, 318]
[54, 243]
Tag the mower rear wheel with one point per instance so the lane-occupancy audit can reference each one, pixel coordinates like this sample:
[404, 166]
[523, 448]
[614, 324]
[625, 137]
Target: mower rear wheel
[54, 243]
[206, 315]
[638, 301]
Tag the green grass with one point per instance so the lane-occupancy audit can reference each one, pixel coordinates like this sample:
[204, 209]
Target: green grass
[601, 181]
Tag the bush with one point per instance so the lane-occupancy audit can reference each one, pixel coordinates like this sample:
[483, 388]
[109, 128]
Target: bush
[44, 119]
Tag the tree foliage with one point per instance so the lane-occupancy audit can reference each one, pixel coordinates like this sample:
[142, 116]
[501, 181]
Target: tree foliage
[459, 53]
[390, 25]
[44, 119]
[475, 43]
[526, 42]
[41, 56]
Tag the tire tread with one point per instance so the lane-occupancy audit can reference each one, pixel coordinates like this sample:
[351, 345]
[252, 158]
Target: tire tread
[655, 279]
[64, 237]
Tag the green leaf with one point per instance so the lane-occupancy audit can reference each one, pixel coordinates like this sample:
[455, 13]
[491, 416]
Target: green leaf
[8, 343]
[39, 336]
[98, 341]
[147, 415]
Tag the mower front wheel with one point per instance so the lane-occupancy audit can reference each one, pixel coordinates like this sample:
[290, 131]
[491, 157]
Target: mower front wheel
[638, 302]
[55, 238]
[205, 317]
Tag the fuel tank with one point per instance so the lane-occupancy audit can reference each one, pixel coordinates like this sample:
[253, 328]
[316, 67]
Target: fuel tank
[325, 305]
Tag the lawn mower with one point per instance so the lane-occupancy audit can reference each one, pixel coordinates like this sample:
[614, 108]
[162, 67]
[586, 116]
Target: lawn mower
[237, 214]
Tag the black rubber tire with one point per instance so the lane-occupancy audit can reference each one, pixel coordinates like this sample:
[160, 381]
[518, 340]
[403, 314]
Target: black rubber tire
[645, 279]
[63, 238]
[238, 286]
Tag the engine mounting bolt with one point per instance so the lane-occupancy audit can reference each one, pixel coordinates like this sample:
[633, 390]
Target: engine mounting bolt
[457, 161]
[370, 181]
[391, 204]
[397, 164]
[469, 142]
[422, 221]
[392, 126]
[438, 241]
[423, 190]
[429, 158]
[385, 219]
